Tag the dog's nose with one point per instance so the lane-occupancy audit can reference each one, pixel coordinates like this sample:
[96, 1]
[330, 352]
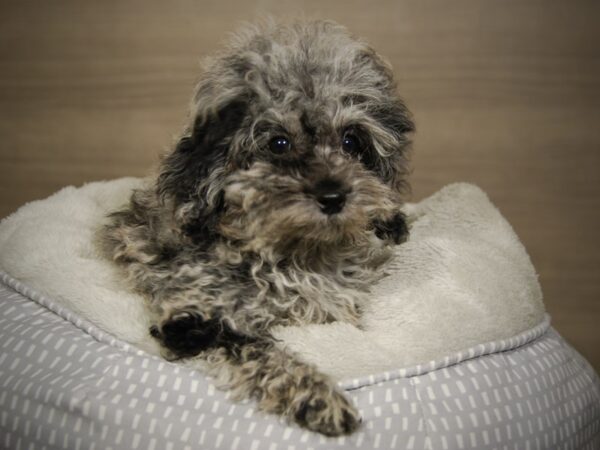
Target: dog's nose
[332, 202]
[331, 197]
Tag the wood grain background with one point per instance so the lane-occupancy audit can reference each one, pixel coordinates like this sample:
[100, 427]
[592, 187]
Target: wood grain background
[505, 95]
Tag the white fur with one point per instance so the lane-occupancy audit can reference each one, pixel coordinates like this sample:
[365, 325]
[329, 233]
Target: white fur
[462, 279]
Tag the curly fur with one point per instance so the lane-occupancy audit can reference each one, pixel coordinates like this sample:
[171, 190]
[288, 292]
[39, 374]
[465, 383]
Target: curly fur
[232, 239]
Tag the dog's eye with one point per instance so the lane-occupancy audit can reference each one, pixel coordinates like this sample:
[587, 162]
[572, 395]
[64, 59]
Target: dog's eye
[280, 144]
[350, 143]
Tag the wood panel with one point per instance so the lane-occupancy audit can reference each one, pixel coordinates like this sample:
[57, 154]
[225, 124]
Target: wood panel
[505, 95]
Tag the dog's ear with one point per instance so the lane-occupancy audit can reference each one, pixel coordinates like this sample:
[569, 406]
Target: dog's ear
[393, 119]
[191, 175]
[200, 153]
[396, 120]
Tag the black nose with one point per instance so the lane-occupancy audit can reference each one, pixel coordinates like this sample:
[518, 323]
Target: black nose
[332, 202]
[330, 196]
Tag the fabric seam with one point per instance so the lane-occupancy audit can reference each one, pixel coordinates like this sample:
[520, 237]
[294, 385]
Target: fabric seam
[348, 384]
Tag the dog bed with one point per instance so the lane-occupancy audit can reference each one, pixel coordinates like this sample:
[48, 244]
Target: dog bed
[455, 352]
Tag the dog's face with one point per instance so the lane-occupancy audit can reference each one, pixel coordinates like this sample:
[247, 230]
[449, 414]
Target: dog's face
[297, 135]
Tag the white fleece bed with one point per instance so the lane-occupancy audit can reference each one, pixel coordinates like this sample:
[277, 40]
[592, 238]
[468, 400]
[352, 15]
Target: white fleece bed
[455, 352]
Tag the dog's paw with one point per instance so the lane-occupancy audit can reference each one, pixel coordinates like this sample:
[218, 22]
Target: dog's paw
[186, 333]
[330, 414]
[394, 229]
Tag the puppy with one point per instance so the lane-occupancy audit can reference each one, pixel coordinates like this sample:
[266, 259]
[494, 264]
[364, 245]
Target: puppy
[279, 205]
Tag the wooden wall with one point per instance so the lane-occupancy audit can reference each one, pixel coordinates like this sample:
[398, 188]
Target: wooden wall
[505, 94]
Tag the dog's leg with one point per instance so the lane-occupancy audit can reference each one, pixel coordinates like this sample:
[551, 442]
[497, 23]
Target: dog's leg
[186, 333]
[394, 229]
[255, 368]
[283, 385]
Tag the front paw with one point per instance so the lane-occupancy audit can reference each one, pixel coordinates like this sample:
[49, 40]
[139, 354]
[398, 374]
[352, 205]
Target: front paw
[185, 334]
[329, 413]
[394, 229]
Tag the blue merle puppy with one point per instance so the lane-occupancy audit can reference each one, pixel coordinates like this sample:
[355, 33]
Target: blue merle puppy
[278, 206]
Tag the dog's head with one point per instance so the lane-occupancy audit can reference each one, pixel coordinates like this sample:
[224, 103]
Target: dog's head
[297, 133]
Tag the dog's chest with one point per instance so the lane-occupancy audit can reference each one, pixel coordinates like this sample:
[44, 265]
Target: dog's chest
[296, 296]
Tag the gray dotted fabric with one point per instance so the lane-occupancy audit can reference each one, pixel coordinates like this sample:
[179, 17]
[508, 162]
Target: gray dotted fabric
[64, 384]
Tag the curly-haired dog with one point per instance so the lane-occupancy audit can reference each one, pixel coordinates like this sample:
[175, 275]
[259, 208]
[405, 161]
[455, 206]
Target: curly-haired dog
[278, 206]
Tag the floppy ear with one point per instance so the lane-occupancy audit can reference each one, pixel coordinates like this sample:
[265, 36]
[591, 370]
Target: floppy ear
[394, 121]
[191, 176]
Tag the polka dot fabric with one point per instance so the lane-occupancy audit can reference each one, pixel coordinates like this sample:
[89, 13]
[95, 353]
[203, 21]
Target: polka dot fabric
[65, 384]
